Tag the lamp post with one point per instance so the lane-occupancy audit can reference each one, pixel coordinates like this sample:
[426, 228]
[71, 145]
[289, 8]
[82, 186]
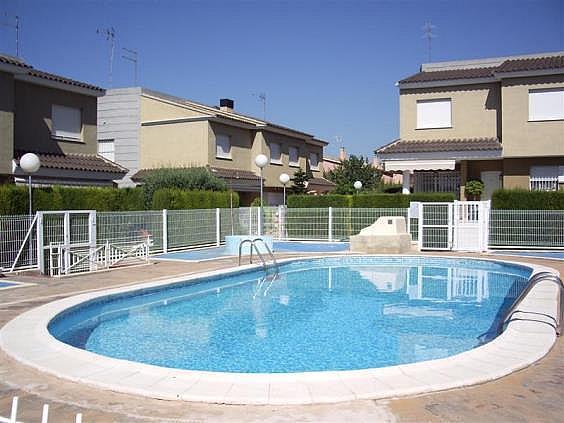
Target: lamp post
[30, 163]
[358, 186]
[284, 179]
[261, 160]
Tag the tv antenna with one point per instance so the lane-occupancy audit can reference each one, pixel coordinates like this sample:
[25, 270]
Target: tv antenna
[262, 98]
[428, 33]
[110, 35]
[133, 57]
[7, 22]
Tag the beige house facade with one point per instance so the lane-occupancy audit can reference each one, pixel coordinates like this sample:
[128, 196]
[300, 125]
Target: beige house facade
[148, 130]
[55, 118]
[500, 120]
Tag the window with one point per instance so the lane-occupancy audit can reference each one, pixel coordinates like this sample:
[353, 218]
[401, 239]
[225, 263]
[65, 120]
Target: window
[313, 161]
[546, 104]
[106, 149]
[66, 121]
[275, 156]
[293, 156]
[434, 114]
[222, 146]
[545, 178]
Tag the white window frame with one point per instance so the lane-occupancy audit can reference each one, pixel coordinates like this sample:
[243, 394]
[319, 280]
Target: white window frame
[66, 122]
[295, 163]
[222, 141]
[433, 113]
[273, 159]
[311, 166]
[546, 104]
[104, 151]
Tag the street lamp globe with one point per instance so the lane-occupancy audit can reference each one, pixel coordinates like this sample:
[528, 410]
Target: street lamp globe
[284, 178]
[357, 185]
[30, 163]
[261, 160]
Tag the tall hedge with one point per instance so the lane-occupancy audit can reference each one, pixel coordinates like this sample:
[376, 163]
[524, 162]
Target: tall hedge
[520, 199]
[14, 199]
[178, 199]
[365, 200]
[186, 178]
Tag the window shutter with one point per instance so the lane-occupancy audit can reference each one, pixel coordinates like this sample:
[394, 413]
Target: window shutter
[546, 104]
[67, 121]
[434, 114]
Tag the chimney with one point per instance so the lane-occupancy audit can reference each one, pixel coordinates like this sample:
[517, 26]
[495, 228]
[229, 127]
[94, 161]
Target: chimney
[342, 154]
[226, 104]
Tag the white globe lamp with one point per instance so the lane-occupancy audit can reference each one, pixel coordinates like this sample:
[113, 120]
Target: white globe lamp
[284, 179]
[30, 163]
[261, 161]
[357, 185]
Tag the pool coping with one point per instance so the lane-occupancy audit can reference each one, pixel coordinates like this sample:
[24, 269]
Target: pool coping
[527, 338]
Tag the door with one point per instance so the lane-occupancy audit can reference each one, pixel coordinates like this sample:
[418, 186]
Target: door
[492, 181]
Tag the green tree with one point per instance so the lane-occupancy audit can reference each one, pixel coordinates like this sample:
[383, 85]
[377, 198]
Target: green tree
[299, 182]
[354, 169]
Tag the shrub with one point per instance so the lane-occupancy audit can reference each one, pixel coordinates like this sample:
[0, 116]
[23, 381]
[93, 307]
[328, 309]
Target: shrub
[189, 178]
[178, 199]
[366, 200]
[520, 199]
[309, 201]
[13, 199]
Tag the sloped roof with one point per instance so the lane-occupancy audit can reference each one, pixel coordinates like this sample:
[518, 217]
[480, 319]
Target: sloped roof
[75, 161]
[440, 145]
[31, 71]
[321, 182]
[555, 62]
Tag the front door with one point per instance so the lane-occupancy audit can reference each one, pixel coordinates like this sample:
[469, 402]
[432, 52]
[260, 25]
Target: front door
[492, 181]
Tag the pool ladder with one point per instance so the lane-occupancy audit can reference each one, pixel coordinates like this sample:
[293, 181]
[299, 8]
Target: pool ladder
[533, 281]
[253, 243]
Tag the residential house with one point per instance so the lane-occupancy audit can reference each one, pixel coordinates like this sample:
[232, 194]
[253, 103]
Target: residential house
[500, 120]
[55, 118]
[142, 129]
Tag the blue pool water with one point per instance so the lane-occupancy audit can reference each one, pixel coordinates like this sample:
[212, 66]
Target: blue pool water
[334, 313]
[279, 247]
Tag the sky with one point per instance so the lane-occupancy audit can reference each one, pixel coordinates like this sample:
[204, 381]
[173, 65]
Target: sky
[327, 68]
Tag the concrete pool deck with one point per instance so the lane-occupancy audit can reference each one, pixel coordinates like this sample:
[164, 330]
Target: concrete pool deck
[13, 303]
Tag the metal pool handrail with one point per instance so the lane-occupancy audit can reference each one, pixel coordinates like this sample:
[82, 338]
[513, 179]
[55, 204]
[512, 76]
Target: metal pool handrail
[253, 245]
[533, 281]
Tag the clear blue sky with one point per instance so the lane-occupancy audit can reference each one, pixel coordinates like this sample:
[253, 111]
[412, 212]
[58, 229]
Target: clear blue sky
[327, 67]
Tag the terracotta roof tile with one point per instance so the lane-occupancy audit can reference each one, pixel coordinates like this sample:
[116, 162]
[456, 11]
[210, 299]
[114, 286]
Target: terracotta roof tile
[431, 146]
[532, 64]
[74, 161]
[321, 182]
[445, 75]
[29, 70]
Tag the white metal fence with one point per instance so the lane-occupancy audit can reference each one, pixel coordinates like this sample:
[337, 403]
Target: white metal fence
[180, 229]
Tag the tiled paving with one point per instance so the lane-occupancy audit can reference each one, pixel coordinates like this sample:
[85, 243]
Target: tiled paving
[533, 394]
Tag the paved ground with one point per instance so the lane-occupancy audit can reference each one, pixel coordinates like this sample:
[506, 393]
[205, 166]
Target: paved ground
[531, 395]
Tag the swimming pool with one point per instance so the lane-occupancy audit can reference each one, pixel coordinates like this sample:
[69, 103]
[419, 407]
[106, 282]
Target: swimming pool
[526, 339]
[339, 313]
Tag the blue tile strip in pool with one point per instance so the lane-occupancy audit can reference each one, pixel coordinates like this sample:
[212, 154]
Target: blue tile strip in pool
[279, 247]
[554, 255]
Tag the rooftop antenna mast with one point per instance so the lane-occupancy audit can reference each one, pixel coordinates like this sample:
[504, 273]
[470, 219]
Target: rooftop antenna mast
[133, 57]
[262, 98]
[16, 25]
[428, 33]
[110, 35]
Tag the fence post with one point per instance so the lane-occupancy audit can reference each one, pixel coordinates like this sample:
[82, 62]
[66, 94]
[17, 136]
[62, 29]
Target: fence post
[67, 240]
[40, 255]
[165, 231]
[217, 227]
[330, 229]
[92, 237]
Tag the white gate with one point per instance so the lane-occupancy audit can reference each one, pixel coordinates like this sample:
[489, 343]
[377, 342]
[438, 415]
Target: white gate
[471, 225]
[435, 226]
[458, 226]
